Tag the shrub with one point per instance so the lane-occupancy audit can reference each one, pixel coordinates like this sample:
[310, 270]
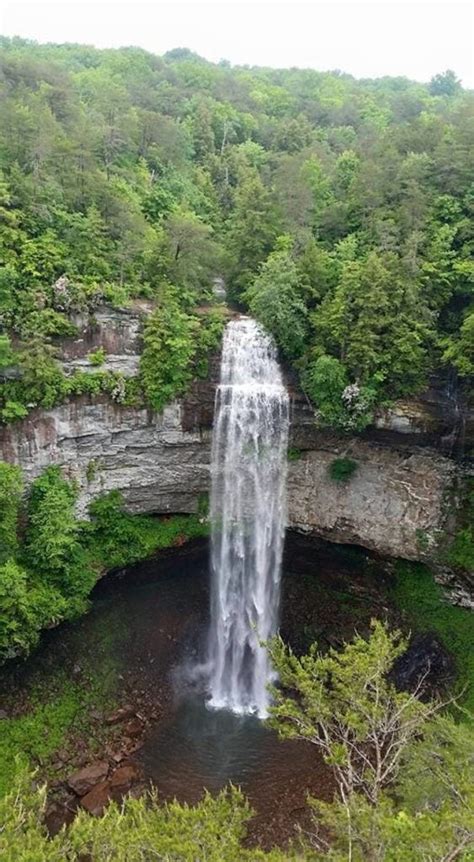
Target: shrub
[97, 357]
[11, 487]
[52, 530]
[342, 469]
[140, 829]
[294, 454]
[340, 404]
[169, 345]
[25, 608]
[117, 539]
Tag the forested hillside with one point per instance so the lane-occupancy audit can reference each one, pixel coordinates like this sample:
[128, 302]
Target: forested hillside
[338, 211]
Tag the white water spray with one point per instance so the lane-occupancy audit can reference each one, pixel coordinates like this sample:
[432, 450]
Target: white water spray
[248, 516]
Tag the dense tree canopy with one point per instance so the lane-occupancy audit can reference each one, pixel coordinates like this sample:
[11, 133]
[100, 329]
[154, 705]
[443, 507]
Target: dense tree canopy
[131, 174]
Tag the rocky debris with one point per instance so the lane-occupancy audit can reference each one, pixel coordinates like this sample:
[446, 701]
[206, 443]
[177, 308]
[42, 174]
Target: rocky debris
[123, 778]
[85, 779]
[121, 714]
[96, 787]
[96, 800]
[134, 727]
[425, 662]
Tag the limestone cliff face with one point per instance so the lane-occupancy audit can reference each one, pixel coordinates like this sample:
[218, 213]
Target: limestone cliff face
[147, 456]
[396, 503]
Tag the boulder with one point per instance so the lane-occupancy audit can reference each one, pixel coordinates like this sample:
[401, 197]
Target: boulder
[87, 778]
[123, 778]
[426, 661]
[96, 800]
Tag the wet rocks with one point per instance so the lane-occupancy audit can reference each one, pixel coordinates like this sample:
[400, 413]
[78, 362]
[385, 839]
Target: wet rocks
[96, 800]
[427, 663]
[85, 779]
[121, 714]
[123, 778]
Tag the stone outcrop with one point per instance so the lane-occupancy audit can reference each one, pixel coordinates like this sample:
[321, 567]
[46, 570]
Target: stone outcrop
[116, 331]
[396, 503]
[157, 465]
[393, 504]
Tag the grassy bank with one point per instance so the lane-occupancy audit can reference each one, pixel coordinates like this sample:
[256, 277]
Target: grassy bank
[423, 603]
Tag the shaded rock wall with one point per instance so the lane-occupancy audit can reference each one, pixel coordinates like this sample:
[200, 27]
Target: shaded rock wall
[147, 456]
[397, 502]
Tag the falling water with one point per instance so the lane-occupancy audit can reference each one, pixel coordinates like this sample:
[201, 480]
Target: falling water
[248, 515]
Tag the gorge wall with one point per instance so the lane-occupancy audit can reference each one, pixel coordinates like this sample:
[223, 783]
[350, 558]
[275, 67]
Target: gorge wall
[397, 502]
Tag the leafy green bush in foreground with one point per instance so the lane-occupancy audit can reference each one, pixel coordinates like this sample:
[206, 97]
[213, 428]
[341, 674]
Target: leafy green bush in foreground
[402, 775]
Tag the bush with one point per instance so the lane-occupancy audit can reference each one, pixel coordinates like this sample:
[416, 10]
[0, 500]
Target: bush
[139, 830]
[339, 403]
[25, 608]
[11, 487]
[97, 357]
[116, 539]
[342, 469]
[294, 454]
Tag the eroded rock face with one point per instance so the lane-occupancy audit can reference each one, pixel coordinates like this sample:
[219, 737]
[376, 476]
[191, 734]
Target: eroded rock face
[147, 456]
[396, 503]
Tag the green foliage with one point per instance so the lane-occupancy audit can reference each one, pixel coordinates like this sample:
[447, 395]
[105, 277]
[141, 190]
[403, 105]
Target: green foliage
[402, 770]
[97, 357]
[459, 350]
[52, 530]
[11, 488]
[26, 606]
[169, 345]
[179, 170]
[339, 403]
[423, 602]
[461, 552]
[342, 469]
[139, 829]
[445, 84]
[346, 702]
[294, 454]
[273, 298]
[118, 539]
[49, 578]
[176, 346]
[251, 231]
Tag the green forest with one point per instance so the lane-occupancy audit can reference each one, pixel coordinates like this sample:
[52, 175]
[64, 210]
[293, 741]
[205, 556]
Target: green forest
[338, 211]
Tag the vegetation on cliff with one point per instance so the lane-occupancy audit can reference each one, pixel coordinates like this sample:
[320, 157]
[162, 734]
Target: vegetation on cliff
[50, 560]
[339, 212]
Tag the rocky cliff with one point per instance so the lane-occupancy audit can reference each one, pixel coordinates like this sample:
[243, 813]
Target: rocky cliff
[397, 502]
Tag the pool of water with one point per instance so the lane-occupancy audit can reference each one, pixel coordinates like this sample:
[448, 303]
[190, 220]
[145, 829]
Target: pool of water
[147, 628]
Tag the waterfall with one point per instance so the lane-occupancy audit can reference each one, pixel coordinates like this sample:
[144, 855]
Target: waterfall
[248, 516]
